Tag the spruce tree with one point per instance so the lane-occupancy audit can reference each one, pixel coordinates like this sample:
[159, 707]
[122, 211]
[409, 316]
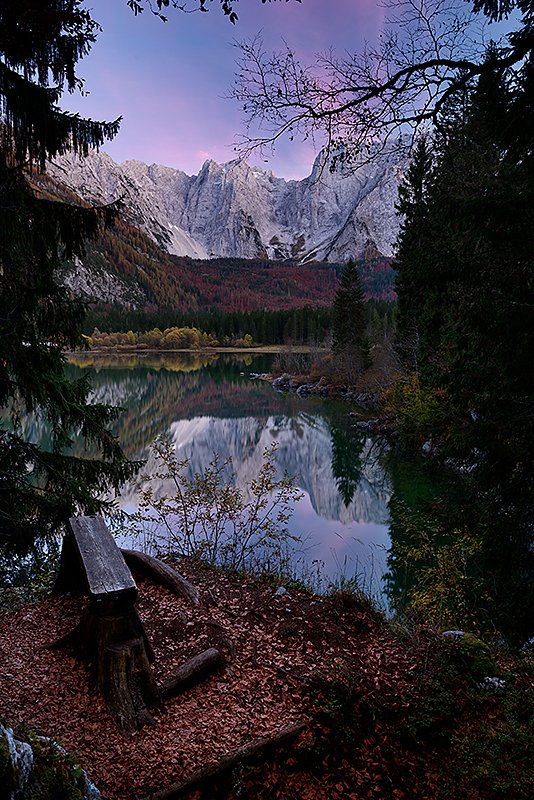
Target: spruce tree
[349, 328]
[413, 249]
[40, 45]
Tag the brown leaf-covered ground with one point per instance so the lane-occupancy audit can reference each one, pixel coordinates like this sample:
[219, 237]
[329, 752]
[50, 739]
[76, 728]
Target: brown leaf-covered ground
[290, 658]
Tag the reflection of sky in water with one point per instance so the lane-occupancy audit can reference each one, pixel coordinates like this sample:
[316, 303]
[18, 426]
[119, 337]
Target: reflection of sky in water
[354, 549]
[329, 551]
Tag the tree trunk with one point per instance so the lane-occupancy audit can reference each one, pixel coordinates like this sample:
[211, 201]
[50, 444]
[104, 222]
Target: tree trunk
[125, 679]
[254, 748]
[119, 654]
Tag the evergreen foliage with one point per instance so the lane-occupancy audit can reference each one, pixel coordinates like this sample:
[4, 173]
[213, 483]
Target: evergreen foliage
[40, 488]
[346, 461]
[412, 250]
[349, 335]
[465, 265]
[306, 325]
[466, 288]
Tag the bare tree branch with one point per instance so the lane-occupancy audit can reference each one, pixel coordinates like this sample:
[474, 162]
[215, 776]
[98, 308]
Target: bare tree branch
[429, 50]
[156, 7]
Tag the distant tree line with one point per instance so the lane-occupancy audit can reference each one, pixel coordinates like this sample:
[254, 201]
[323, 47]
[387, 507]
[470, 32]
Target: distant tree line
[304, 325]
[155, 339]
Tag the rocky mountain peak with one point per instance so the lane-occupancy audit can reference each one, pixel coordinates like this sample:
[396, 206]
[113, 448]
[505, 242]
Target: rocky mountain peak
[236, 210]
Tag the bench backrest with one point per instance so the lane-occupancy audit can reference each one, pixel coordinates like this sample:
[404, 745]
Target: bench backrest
[103, 563]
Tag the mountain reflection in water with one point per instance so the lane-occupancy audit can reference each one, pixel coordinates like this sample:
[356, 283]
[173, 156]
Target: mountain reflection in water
[211, 406]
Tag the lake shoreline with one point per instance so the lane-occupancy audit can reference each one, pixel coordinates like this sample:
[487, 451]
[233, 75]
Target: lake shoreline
[265, 349]
[365, 397]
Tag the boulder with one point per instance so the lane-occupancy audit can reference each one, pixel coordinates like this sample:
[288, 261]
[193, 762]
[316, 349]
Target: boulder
[281, 384]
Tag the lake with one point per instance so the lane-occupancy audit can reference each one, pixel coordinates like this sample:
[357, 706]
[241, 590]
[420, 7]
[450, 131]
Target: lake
[417, 536]
[208, 404]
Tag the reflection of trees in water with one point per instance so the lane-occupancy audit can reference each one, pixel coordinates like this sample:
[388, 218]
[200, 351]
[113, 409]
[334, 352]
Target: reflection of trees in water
[347, 448]
[172, 362]
[304, 449]
[162, 389]
[219, 409]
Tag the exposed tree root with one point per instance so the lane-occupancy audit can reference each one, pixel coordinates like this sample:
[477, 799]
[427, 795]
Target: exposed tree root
[161, 573]
[254, 748]
[192, 672]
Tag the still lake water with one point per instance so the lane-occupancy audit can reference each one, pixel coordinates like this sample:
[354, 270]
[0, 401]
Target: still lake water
[209, 404]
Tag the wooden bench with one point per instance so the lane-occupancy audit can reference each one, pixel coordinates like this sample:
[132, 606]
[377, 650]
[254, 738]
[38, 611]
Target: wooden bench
[110, 636]
[91, 563]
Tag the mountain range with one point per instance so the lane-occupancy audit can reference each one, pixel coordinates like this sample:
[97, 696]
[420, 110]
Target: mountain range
[235, 210]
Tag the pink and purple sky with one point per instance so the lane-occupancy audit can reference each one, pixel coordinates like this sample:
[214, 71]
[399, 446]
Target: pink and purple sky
[168, 80]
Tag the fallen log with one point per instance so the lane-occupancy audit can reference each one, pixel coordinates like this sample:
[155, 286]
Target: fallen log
[161, 573]
[192, 672]
[248, 751]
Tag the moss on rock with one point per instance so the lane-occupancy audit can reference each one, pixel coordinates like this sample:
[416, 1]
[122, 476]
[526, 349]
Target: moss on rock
[55, 775]
[7, 769]
[50, 773]
[476, 657]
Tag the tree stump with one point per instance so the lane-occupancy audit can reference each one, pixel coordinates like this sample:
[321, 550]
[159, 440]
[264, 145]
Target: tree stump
[126, 681]
[110, 636]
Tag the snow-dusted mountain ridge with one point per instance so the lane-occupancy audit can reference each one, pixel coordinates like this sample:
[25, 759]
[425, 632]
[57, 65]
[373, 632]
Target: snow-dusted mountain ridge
[246, 212]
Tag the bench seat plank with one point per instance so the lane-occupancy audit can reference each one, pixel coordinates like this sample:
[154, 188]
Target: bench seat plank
[102, 560]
